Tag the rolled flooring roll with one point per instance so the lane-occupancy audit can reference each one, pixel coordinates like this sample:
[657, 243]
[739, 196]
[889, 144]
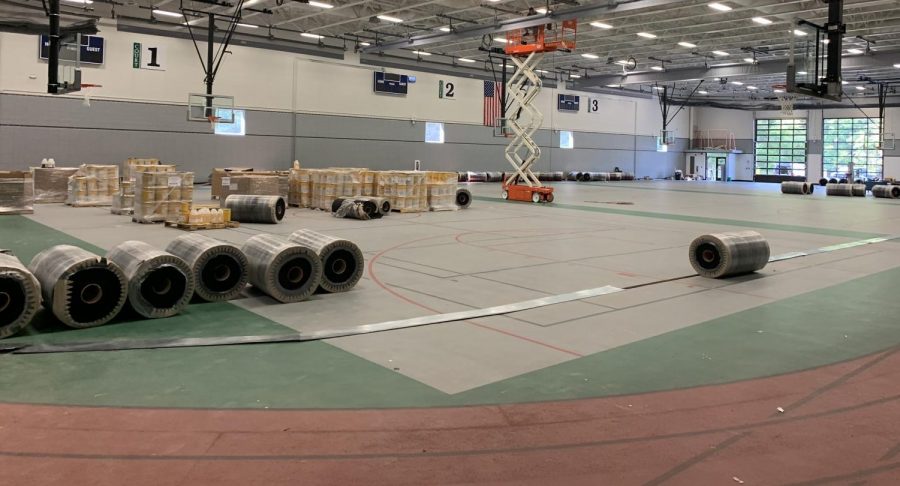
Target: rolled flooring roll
[20, 295]
[219, 269]
[885, 191]
[286, 271]
[256, 209]
[615, 176]
[572, 176]
[80, 288]
[839, 190]
[463, 198]
[728, 254]
[858, 190]
[343, 262]
[810, 188]
[600, 176]
[823, 182]
[159, 283]
[794, 187]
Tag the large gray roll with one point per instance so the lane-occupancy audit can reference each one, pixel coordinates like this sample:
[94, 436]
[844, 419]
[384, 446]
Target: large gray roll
[885, 191]
[463, 198]
[286, 271]
[342, 261]
[839, 190]
[80, 288]
[810, 188]
[20, 295]
[219, 268]
[794, 187]
[572, 176]
[159, 283]
[858, 190]
[728, 254]
[256, 209]
[627, 176]
[600, 176]
[615, 176]
[494, 176]
[383, 203]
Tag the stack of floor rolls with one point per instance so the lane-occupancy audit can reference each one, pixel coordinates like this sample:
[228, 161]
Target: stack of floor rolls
[286, 271]
[256, 209]
[80, 288]
[219, 269]
[728, 254]
[20, 295]
[848, 190]
[885, 191]
[159, 283]
[342, 261]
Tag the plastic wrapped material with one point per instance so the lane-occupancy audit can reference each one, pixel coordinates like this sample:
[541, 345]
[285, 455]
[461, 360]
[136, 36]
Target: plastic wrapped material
[342, 261]
[162, 196]
[407, 191]
[51, 185]
[441, 188]
[794, 187]
[80, 288]
[885, 191]
[93, 185]
[159, 284]
[259, 185]
[729, 254]
[299, 191]
[16, 192]
[219, 268]
[128, 165]
[20, 296]
[328, 184]
[256, 209]
[351, 208]
[839, 190]
[463, 198]
[285, 271]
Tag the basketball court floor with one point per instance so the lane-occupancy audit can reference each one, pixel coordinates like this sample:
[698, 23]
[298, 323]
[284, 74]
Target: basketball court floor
[664, 354]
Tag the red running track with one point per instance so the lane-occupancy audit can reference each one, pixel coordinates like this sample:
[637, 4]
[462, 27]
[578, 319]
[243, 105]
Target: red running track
[839, 426]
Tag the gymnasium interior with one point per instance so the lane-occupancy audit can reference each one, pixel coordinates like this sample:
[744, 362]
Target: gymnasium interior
[410, 242]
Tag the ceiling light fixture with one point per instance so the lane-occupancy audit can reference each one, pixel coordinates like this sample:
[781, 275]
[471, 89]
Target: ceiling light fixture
[854, 51]
[721, 7]
[421, 53]
[463, 59]
[248, 26]
[776, 90]
[613, 85]
[752, 88]
[80, 2]
[749, 60]
[703, 91]
[574, 76]
[365, 44]
[687, 44]
[720, 53]
[313, 3]
[657, 68]
[444, 29]
[761, 20]
[646, 35]
[897, 66]
[861, 88]
[388, 18]
[590, 56]
[166, 13]
[601, 25]
[310, 36]
[802, 73]
[737, 83]
[542, 10]
[799, 33]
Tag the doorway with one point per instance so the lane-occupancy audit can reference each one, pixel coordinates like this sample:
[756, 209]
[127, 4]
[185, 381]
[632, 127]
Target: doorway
[720, 163]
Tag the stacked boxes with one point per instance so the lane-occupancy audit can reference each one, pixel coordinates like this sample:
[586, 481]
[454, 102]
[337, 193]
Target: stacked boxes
[442, 190]
[229, 181]
[51, 184]
[93, 185]
[16, 192]
[325, 185]
[162, 196]
[256, 185]
[406, 190]
[128, 167]
[123, 201]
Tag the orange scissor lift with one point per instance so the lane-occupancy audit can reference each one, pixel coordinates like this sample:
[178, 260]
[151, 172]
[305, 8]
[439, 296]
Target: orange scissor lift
[527, 47]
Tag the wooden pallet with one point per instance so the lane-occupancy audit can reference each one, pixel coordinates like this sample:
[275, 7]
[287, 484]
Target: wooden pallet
[202, 226]
[407, 210]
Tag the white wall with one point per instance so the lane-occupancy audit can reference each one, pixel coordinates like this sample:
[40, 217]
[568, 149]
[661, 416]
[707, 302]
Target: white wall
[279, 81]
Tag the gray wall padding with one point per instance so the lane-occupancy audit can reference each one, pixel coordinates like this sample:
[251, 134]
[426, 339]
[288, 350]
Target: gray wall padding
[35, 127]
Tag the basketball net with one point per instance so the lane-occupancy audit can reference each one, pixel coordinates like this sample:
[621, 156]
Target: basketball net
[786, 100]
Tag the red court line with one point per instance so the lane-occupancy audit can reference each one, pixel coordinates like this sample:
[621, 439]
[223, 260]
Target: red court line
[402, 297]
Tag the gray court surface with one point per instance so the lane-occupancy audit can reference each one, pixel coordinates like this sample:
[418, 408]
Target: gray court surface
[620, 234]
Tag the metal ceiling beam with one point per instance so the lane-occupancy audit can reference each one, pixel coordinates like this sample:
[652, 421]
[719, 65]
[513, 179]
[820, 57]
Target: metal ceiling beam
[881, 59]
[522, 22]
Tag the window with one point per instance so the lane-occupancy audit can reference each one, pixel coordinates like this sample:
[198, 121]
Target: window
[236, 128]
[566, 139]
[781, 147]
[851, 140]
[434, 132]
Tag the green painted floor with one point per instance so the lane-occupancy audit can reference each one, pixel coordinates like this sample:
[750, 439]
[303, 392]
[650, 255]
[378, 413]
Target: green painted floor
[816, 328]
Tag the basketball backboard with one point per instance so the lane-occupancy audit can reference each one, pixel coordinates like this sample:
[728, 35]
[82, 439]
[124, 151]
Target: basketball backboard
[814, 68]
[210, 108]
[68, 64]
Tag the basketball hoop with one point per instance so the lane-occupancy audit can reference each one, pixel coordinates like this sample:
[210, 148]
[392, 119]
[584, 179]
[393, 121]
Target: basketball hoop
[785, 99]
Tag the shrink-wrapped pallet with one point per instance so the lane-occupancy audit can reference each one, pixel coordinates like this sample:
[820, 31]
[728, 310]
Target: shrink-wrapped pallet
[406, 190]
[93, 185]
[256, 185]
[16, 192]
[162, 196]
[129, 164]
[222, 178]
[298, 192]
[51, 184]
[442, 191]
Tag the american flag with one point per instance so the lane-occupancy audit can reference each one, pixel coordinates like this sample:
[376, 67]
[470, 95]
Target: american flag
[493, 99]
